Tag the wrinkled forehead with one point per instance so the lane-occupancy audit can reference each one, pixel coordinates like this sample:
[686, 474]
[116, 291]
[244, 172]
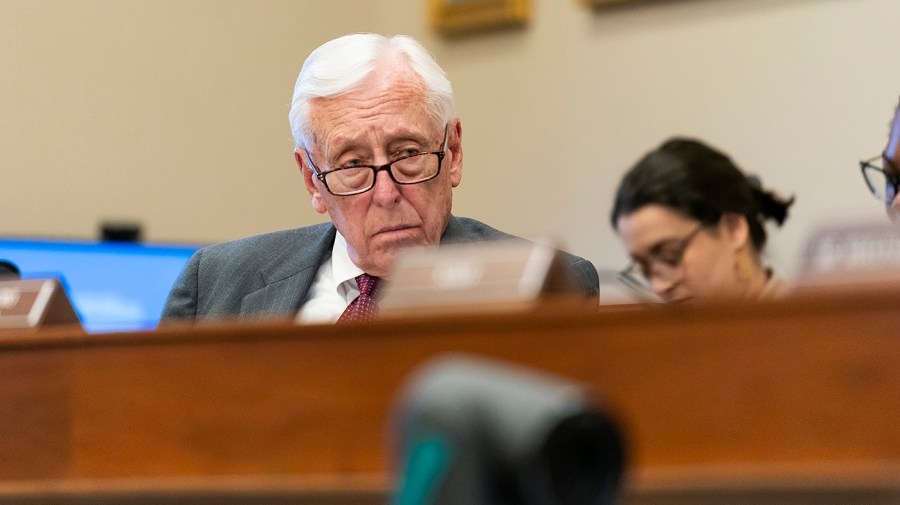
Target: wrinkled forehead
[398, 100]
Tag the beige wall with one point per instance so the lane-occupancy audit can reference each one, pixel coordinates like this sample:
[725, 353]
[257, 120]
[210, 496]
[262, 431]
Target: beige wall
[174, 112]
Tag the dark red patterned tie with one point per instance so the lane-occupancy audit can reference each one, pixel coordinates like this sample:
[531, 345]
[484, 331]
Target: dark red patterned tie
[363, 307]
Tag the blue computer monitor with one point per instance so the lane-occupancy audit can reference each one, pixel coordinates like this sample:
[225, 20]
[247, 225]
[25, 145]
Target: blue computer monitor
[114, 286]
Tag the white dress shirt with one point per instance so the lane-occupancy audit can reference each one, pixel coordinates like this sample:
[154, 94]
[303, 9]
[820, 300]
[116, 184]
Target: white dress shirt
[334, 287]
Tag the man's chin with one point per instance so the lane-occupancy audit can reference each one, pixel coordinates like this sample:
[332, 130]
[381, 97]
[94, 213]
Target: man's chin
[390, 246]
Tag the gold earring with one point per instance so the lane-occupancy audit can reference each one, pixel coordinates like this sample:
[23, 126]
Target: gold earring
[743, 267]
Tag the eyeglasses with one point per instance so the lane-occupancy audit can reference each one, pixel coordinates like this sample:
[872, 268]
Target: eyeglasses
[882, 184]
[663, 260]
[410, 169]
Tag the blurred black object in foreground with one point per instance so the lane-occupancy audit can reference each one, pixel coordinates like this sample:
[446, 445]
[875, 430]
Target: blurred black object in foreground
[477, 432]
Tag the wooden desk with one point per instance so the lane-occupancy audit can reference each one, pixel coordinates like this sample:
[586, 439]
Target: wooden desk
[766, 403]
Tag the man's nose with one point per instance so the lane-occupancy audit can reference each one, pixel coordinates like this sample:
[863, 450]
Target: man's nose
[385, 189]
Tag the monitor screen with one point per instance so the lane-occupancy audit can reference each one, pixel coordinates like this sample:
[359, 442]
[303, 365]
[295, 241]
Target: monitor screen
[114, 286]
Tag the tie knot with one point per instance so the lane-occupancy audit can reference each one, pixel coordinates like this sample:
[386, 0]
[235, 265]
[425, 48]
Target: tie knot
[367, 284]
[364, 306]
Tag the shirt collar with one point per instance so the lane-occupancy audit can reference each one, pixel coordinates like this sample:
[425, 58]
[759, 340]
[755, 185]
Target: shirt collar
[342, 268]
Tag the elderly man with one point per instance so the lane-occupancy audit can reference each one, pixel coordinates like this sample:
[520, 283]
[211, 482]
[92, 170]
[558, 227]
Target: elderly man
[380, 151]
[882, 173]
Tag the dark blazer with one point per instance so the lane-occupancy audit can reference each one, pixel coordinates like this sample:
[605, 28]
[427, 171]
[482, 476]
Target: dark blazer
[271, 274]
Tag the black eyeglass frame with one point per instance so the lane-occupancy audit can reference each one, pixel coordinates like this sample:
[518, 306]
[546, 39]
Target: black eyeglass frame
[387, 166]
[634, 273]
[891, 178]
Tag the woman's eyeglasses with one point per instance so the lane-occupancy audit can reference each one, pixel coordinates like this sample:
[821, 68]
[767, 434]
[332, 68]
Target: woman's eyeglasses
[663, 261]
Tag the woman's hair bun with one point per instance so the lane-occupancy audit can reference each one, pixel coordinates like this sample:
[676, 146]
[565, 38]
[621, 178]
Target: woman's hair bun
[771, 206]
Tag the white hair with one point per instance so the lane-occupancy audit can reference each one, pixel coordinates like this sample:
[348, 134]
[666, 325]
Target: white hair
[340, 65]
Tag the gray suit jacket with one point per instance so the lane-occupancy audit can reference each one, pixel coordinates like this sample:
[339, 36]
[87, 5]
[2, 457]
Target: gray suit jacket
[271, 274]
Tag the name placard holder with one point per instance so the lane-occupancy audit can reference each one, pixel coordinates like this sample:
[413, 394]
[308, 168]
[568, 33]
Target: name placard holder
[477, 277]
[854, 254]
[33, 303]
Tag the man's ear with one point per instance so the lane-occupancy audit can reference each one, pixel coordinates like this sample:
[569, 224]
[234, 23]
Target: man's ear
[735, 227]
[310, 181]
[454, 145]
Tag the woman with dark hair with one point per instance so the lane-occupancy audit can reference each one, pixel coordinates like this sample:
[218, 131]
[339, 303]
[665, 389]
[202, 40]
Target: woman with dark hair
[692, 223]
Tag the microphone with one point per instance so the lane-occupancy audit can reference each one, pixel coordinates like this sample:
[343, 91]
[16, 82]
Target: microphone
[9, 271]
[477, 432]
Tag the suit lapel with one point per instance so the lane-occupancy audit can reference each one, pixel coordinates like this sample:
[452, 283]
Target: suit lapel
[290, 274]
[280, 297]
